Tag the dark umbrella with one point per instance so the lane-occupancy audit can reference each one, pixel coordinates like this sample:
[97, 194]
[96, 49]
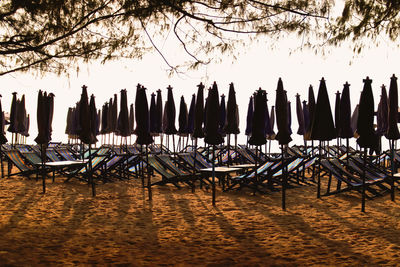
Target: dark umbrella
[311, 111]
[337, 114]
[272, 121]
[198, 114]
[86, 134]
[170, 113]
[306, 116]
[182, 117]
[131, 120]
[142, 122]
[123, 118]
[44, 120]
[191, 115]
[153, 115]
[283, 135]
[213, 137]
[104, 119]
[12, 128]
[232, 119]
[322, 127]
[365, 128]
[345, 130]
[21, 116]
[354, 118]
[159, 108]
[258, 136]
[222, 116]
[382, 113]
[249, 117]
[3, 138]
[393, 131]
[300, 116]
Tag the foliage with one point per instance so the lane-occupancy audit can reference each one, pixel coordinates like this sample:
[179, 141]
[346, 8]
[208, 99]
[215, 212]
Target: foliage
[55, 35]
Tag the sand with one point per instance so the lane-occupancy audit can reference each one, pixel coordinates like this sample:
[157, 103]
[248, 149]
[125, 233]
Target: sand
[68, 227]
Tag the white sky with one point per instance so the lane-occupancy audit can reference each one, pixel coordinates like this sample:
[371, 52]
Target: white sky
[259, 66]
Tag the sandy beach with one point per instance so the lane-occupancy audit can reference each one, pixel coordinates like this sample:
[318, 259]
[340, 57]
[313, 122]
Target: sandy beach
[68, 227]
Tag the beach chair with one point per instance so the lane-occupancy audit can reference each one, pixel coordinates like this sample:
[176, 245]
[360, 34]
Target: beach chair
[179, 170]
[167, 176]
[15, 158]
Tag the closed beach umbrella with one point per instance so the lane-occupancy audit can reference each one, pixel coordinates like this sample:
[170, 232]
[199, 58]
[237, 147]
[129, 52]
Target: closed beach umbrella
[131, 119]
[382, 113]
[345, 129]
[283, 135]
[3, 138]
[232, 126]
[354, 119]
[159, 111]
[365, 122]
[85, 134]
[268, 129]
[212, 137]
[104, 119]
[123, 117]
[142, 117]
[191, 115]
[393, 107]
[222, 116]
[306, 116]
[249, 117]
[311, 110]
[93, 119]
[337, 113]
[199, 113]
[272, 121]
[365, 127]
[183, 117]
[322, 128]
[258, 137]
[153, 115]
[170, 113]
[12, 128]
[300, 116]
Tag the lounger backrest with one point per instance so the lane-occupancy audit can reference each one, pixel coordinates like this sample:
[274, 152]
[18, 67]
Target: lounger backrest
[17, 159]
[170, 164]
[156, 165]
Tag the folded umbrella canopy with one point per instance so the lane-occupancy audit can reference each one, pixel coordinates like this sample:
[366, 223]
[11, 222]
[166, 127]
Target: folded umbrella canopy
[249, 117]
[365, 128]
[3, 138]
[142, 117]
[393, 131]
[12, 128]
[191, 115]
[199, 113]
[170, 113]
[337, 113]
[382, 113]
[153, 115]
[345, 130]
[258, 136]
[183, 118]
[300, 116]
[283, 135]
[311, 111]
[322, 128]
[123, 117]
[212, 137]
[159, 108]
[222, 116]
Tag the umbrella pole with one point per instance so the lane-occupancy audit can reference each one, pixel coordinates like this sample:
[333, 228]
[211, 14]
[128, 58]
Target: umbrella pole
[141, 168]
[91, 181]
[363, 181]
[1, 159]
[283, 180]
[43, 152]
[228, 144]
[319, 171]
[213, 176]
[393, 170]
[173, 143]
[148, 177]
